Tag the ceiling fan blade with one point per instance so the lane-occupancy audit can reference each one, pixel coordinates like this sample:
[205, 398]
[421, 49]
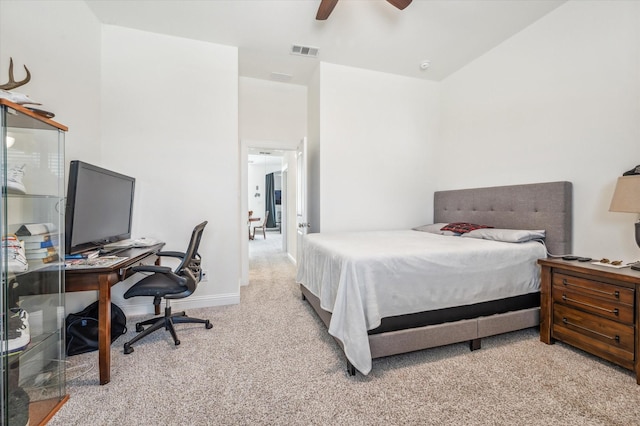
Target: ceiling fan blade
[400, 4]
[325, 9]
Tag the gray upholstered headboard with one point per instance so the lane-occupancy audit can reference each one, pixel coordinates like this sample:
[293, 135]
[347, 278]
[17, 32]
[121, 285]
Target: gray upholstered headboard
[545, 206]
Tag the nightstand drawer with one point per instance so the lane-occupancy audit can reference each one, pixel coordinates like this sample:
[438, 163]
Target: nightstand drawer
[607, 308]
[593, 308]
[608, 339]
[594, 288]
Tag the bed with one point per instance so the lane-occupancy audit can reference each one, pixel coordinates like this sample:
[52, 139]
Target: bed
[384, 293]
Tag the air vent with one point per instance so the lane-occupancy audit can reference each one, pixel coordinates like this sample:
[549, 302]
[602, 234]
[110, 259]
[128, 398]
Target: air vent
[280, 76]
[304, 51]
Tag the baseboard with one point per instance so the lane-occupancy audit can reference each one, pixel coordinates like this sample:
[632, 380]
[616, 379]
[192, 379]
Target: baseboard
[291, 258]
[144, 306]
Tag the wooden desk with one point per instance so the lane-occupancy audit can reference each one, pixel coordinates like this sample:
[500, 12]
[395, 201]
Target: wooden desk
[102, 279]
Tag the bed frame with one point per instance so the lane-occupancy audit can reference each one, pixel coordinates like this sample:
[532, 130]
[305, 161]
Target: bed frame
[545, 206]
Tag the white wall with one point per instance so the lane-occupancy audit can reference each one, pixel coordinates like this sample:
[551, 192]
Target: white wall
[558, 101]
[60, 44]
[272, 111]
[119, 98]
[170, 114]
[63, 55]
[377, 133]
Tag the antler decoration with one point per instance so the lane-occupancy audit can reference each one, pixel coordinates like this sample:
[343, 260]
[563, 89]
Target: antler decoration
[12, 84]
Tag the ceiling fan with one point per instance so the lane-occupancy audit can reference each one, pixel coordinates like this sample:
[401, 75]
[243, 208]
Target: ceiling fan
[326, 7]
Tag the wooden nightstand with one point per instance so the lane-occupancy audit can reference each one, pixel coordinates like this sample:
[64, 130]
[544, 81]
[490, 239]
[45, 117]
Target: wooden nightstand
[594, 308]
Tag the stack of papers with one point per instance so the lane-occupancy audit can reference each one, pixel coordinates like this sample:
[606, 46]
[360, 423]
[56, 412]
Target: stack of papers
[97, 262]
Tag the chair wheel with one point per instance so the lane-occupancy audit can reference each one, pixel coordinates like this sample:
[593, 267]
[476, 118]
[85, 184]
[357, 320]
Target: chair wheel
[127, 348]
[177, 342]
[208, 325]
[139, 327]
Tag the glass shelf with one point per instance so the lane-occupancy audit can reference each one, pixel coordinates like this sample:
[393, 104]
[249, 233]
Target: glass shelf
[31, 301]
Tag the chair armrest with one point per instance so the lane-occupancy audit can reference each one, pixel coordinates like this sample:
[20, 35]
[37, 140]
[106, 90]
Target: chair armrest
[152, 268]
[177, 254]
[164, 270]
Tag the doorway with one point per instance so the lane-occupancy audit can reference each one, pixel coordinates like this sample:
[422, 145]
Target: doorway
[265, 199]
[286, 150]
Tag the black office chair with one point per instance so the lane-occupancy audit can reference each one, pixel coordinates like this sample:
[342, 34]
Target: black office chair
[169, 284]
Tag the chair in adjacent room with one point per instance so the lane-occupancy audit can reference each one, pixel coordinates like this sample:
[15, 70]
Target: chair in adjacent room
[169, 284]
[263, 226]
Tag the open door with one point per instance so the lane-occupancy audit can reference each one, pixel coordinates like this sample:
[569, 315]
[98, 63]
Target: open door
[303, 225]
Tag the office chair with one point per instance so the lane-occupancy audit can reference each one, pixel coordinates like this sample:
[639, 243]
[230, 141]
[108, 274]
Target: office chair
[169, 284]
[263, 226]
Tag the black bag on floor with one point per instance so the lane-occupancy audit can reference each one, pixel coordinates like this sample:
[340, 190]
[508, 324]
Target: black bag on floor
[82, 328]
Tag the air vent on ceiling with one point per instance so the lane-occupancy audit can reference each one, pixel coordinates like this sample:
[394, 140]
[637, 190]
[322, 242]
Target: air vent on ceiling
[304, 51]
[280, 76]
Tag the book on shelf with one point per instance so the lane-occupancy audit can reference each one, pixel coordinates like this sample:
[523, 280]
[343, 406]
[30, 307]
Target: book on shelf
[40, 253]
[35, 251]
[48, 241]
[51, 258]
[41, 238]
[31, 229]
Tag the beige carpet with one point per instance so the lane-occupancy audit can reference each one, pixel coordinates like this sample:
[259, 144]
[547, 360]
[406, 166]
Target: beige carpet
[270, 361]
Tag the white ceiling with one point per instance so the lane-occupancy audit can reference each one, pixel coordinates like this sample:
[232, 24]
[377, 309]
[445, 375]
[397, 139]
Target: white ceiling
[368, 34]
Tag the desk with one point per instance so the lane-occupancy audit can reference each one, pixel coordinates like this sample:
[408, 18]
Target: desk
[102, 279]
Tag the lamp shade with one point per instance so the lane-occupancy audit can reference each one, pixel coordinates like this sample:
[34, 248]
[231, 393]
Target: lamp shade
[626, 197]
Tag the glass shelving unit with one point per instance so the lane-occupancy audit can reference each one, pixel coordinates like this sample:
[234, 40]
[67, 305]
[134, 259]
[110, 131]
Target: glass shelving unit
[32, 168]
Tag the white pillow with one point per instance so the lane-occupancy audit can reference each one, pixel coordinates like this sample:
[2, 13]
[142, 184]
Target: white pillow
[435, 228]
[506, 235]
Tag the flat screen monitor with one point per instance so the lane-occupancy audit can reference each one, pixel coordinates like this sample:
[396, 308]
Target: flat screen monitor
[99, 207]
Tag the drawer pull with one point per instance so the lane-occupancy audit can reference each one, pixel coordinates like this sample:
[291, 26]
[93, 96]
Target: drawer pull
[567, 322]
[615, 293]
[577, 302]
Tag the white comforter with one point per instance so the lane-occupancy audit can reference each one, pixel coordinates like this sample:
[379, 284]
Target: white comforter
[362, 277]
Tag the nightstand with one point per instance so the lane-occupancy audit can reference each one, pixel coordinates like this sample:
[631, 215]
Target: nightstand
[594, 308]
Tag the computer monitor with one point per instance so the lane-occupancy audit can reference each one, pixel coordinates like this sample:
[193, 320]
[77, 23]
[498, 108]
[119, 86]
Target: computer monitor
[99, 207]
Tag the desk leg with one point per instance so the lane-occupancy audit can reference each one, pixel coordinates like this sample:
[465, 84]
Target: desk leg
[104, 329]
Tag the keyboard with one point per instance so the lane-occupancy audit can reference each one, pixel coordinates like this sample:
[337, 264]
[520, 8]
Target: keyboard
[113, 250]
[129, 243]
[119, 244]
[144, 242]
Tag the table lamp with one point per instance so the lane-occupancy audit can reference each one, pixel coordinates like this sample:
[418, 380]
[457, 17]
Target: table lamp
[626, 198]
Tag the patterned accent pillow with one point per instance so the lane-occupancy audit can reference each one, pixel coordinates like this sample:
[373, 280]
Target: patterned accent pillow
[463, 227]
